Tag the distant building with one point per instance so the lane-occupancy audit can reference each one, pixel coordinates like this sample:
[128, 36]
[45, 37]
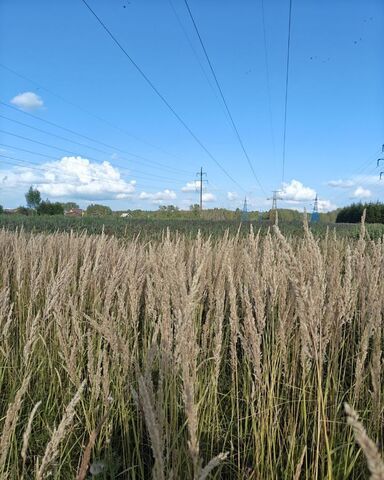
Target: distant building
[74, 212]
[125, 215]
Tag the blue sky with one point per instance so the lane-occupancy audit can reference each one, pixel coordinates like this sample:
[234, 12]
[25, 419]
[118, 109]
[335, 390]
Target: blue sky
[58, 64]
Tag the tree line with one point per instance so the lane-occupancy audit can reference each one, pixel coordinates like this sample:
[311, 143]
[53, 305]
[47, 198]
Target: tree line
[354, 212]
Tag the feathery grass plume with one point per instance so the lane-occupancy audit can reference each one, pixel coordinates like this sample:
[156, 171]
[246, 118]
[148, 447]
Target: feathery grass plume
[88, 449]
[173, 308]
[29, 344]
[212, 464]
[58, 435]
[153, 427]
[10, 422]
[27, 434]
[372, 455]
[300, 464]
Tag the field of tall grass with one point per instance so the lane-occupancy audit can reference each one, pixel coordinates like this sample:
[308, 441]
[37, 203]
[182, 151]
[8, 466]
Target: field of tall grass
[191, 358]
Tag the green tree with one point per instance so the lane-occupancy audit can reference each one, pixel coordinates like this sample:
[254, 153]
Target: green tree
[194, 209]
[23, 211]
[48, 208]
[1, 209]
[97, 210]
[33, 197]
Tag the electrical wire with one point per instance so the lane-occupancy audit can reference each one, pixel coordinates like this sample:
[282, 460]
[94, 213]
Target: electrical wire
[132, 172]
[161, 96]
[268, 78]
[65, 139]
[90, 139]
[82, 109]
[233, 124]
[37, 167]
[286, 88]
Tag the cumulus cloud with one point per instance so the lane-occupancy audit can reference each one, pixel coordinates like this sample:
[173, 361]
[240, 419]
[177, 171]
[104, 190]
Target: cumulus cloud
[232, 196]
[361, 192]
[208, 197]
[341, 183]
[158, 197]
[326, 206]
[27, 101]
[191, 186]
[74, 177]
[295, 191]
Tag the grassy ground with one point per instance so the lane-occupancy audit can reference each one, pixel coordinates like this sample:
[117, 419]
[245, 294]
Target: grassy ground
[153, 229]
[225, 357]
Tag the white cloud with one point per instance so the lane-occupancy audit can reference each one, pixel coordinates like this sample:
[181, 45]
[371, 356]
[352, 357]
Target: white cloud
[361, 192]
[191, 186]
[295, 191]
[74, 177]
[27, 101]
[326, 206]
[232, 196]
[208, 197]
[341, 183]
[158, 197]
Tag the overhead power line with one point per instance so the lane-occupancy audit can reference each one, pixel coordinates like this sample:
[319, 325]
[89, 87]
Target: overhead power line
[71, 152]
[130, 171]
[56, 125]
[91, 114]
[161, 96]
[268, 78]
[286, 87]
[235, 129]
[38, 167]
[54, 135]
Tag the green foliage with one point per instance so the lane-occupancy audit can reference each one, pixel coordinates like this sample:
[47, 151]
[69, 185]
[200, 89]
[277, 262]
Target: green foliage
[48, 208]
[195, 210]
[24, 211]
[97, 210]
[354, 212]
[1, 209]
[153, 228]
[33, 197]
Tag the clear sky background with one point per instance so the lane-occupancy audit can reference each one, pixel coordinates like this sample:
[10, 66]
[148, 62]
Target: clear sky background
[58, 64]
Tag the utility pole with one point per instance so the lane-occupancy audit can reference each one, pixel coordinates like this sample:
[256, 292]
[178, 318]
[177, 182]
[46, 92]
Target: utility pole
[244, 213]
[200, 176]
[381, 160]
[315, 217]
[274, 199]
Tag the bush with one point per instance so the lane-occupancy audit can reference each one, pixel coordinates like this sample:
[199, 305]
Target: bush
[48, 208]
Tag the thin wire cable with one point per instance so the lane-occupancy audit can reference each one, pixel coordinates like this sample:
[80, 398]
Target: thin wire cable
[286, 89]
[54, 135]
[70, 141]
[359, 171]
[97, 117]
[268, 78]
[193, 49]
[37, 166]
[162, 98]
[129, 170]
[92, 139]
[234, 127]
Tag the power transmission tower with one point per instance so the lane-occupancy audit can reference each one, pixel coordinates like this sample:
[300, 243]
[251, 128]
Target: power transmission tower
[315, 217]
[274, 199]
[245, 213]
[200, 175]
[381, 160]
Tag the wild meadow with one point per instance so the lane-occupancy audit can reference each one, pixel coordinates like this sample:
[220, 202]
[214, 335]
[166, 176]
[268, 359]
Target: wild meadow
[227, 357]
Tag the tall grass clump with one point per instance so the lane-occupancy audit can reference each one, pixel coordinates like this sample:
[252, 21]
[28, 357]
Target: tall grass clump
[191, 357]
